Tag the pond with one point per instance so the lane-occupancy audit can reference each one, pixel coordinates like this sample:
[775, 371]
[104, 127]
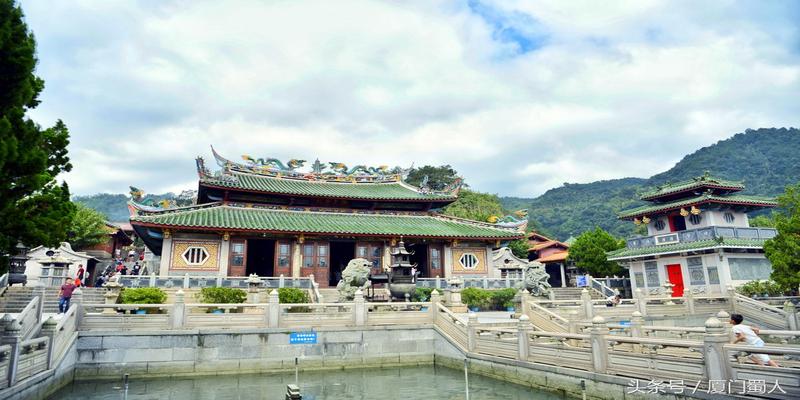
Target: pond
[404, 383]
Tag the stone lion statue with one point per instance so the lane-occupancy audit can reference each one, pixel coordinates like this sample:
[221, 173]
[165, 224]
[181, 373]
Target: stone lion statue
[354, 276]
[536, 279]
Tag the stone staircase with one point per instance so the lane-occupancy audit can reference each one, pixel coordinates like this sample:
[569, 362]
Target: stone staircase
[329, 295]
[16, 298]
[574, 293]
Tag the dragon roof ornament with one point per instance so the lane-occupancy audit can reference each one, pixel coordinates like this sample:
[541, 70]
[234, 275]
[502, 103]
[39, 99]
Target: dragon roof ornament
[318, 171]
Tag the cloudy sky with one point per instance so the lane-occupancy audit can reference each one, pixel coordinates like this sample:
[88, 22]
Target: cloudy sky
[519, 96]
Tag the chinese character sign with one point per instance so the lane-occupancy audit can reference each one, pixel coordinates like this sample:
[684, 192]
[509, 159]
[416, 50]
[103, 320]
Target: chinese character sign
[303, 338]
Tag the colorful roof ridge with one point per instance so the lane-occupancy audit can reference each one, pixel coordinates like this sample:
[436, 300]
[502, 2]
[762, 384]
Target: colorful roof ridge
[704, 181]
[686, 246]
[698, 200]
[227, 217]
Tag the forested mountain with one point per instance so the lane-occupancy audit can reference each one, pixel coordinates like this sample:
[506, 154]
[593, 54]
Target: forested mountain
[766, 160]
[115, 206]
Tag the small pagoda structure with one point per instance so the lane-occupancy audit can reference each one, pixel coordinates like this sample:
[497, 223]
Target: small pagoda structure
[401, 278]
[698, 238]
[272, 218]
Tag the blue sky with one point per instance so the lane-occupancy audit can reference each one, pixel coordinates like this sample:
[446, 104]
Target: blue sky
[519, 96]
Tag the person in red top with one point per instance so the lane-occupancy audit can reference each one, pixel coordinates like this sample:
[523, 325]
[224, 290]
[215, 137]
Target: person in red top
[80, 277]
[64, 295]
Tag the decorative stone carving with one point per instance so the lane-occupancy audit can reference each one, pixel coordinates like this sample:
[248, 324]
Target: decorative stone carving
[536, 279]
[354, 277]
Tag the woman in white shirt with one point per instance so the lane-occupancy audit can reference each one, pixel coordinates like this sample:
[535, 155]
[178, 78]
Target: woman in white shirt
[749, 335]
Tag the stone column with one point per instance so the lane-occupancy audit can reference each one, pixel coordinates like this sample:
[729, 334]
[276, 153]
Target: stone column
[599, 344]
[297, 259]
[563, 276]
[791, 315]
[179, 310]
[166, 256]
[472, 334]
[386, 261]
[641, 301]
[49, 330]
[77, 302]
[523, 336]
[588, 306]
[688, 300]
[716, 359]
[637, 322]
[273, 309]
[13, 337]
[359, 308]
[448, 261]
[224, 255]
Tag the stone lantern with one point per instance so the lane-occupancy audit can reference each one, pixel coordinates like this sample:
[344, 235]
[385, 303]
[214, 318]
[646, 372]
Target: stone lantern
[253, 284]
[453, 295]
[16, 266]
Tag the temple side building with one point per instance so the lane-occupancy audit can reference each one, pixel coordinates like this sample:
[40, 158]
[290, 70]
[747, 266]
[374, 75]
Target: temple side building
[553, 254]
[699, 238]
[268, 218]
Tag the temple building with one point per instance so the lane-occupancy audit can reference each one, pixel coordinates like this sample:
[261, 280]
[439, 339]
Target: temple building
[553, 254]
[268, 218]
[699, 238]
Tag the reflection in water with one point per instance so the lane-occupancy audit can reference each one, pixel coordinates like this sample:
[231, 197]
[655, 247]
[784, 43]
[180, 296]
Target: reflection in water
[407, 383]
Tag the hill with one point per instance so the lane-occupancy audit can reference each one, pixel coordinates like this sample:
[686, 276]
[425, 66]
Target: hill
[766, 160]
[114, 205]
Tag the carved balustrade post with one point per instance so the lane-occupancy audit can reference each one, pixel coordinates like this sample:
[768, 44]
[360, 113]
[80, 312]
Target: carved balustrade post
[77, 301]
[436, 299]
[714, 355]
[49, 330]
[472, 333]
[688, 301]
[524, 329]
[273, 309]
[13, 337]
[588, 307]
[637, 322]
[152, 279]
[524, 300]
[641, 301]
[179, 310]
[186, 281]
[791, 315]
[599, 344]
[359, 308]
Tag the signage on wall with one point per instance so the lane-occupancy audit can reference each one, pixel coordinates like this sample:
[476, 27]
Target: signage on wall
[303, 337]
[581, 281]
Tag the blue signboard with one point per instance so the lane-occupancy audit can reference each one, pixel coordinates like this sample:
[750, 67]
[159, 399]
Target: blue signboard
[581, 281]
[303, 338]
[625, 323]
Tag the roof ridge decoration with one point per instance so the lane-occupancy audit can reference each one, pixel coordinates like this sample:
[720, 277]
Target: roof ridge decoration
[138, 203]
[698, 181]
[330, 172]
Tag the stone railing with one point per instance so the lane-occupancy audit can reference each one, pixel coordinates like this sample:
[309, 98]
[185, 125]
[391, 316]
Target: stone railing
[193, 281]
[482, 283]
[30, 318]
[693, 235]
[772, 316]
[702, 362]
[272, 314]
[601, 287]
[3, 283]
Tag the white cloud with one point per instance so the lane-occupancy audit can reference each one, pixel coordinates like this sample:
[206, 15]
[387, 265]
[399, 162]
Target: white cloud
[609, 89]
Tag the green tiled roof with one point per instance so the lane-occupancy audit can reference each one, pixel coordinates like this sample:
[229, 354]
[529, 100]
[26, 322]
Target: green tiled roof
[222, 217]
[703, 181]
[301, 187]
[706, 198]
[679, 247]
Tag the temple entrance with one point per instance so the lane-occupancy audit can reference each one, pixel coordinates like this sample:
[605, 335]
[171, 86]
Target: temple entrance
[554, 271]
[260, 257]
[341, 254]
[420, 257]
[675, 277]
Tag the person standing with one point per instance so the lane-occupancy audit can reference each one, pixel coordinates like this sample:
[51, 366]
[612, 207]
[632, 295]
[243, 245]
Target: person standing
[80, 277]
[64, 296]
[749, 335]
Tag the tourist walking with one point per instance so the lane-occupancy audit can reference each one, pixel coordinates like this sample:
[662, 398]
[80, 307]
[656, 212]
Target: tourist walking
[100, 281]
[64, 296]
[613, 301]
[136, 269]
[749, 335]
[80, 276]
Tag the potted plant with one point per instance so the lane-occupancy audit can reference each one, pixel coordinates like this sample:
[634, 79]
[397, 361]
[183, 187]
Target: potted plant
[476, 299]
[221, 295]
[503, 299]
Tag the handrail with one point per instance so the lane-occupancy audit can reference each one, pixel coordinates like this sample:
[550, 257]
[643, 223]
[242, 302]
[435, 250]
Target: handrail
[451, 314]
[755, 303]
[601, 287]
[549, 313]
[30, 311]
[3, 283]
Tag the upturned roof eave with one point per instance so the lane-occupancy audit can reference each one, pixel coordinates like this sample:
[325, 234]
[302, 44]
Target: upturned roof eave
[699, 201]
[669, 252]
[437, 199]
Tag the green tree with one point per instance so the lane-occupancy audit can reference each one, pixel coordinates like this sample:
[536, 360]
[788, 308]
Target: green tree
[88, 228]
[34, 209]
[589, 252]
[475, 206]
[520, 248]
[763, 221]
[783, 251]
[438, 177]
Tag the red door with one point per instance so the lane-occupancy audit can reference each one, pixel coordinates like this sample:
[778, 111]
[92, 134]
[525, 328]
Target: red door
[675, 277]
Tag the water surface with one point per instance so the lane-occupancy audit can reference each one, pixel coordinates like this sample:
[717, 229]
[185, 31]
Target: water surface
[404, 383]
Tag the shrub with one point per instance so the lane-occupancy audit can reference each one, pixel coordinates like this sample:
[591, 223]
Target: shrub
[474, 297]
[760, 288]
[293, 296]
[503, 298]
[222, 295]
[422, 294]
[143, 296]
